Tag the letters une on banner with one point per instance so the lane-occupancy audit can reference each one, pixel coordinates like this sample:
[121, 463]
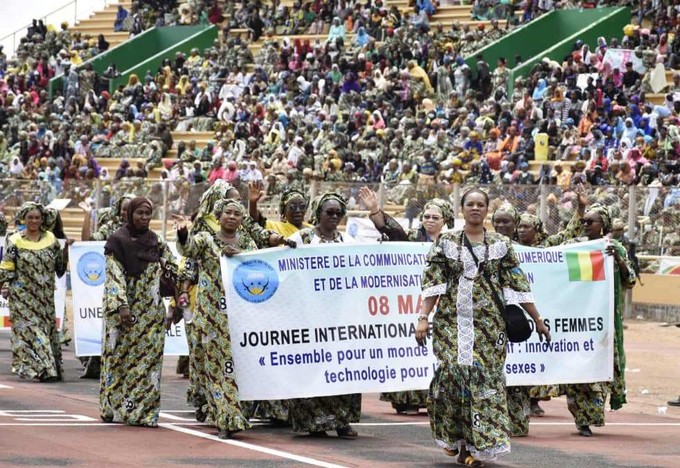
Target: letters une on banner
[88, 268]
[59, 298]
[337, 319]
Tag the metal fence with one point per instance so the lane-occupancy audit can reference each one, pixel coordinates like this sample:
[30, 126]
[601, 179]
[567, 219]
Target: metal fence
[651, 216]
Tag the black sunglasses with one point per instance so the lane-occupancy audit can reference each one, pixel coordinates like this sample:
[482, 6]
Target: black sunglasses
[333, 213]
[302, 208]
[588, 222]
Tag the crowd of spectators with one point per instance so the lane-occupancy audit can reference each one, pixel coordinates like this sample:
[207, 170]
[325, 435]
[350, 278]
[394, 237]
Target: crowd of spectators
[371, 94]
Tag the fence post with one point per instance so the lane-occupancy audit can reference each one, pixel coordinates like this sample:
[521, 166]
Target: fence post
[97, 204]
[75, 12]
[632, 218]
[632, 211]
[164, 212]
[543, 203]
[381, 195]
[456, 199]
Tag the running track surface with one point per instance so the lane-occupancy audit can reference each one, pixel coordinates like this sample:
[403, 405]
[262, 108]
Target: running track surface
[58, 425]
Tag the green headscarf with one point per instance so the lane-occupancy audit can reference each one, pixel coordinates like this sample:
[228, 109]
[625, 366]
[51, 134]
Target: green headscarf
[222, 204]
[25, 208]
[537, 224]
[50, 218]
[318, 203]
[288, 195]
[443, 206]
[205, 218]
[507, 208]
[605, 214]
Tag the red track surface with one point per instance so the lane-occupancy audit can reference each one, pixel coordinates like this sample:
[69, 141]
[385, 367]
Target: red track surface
[635, 436]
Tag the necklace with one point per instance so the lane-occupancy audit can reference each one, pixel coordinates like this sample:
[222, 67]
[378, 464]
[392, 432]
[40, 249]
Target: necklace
[228, 240]
[461, 242]
[325, 237]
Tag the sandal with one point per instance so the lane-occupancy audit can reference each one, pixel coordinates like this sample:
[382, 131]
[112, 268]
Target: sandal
[200, 415]
[471, 461]
[318, 434]
[585, 431]
[347, 432]
[451, 452]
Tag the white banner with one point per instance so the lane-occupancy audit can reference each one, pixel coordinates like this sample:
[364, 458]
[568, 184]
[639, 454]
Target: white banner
[669, 266]
[363, 230]
[338, 319]
[617, 58]
[88, 267]
[59, 297]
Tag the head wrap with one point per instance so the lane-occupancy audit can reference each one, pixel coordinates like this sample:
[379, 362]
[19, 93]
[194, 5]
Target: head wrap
[133, 248]
[205, 218]
[25, 208]
[508, 209]
[604, 213]
[288, 195]
[443, 206]
[319, 202]
[222, 205]
[537, 224]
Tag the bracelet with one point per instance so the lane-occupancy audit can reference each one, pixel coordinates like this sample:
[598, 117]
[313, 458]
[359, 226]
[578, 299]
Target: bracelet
[422, 317]
[373, 214]
[183, 292]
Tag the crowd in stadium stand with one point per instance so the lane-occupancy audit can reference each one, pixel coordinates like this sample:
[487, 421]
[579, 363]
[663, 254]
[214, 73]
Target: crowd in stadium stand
[377, 96]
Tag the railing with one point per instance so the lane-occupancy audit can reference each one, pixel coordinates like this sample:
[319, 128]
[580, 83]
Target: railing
[651, 216]
[59, 14]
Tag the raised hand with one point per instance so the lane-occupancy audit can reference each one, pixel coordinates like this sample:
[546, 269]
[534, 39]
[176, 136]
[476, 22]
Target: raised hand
[369, 198]
[85, 206]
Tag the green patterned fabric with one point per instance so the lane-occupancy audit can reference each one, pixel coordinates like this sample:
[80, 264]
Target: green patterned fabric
[28, 269]
[401, 401]
[212, 363]
[323, 413]
[132, 356]
[586, 401]
[467, 401]
[519, 405]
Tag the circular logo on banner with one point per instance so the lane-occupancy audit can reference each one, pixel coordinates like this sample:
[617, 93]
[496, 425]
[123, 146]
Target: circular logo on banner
[255, 281]
[91, 268]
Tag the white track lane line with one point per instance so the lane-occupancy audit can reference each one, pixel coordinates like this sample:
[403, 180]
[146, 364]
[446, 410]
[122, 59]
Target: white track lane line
[5, 386]
[256, 448]
[420, 423]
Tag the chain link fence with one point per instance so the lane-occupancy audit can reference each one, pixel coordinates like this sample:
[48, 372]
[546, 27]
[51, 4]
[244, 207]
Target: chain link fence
[650, 216]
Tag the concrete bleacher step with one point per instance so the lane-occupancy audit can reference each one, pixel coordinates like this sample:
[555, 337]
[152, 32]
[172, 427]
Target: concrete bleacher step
[201, 137]
[101, 22]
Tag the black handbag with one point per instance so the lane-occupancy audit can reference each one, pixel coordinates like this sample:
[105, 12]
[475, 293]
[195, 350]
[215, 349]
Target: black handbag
[517, 326]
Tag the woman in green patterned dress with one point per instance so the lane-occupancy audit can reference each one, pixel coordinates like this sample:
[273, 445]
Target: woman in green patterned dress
[32, 257]
[321, 414]
[528, 230]
[110, 224]
[467, 400]
[134, 320]
[206, 221]
[210, 324]
[586, 401]
[436, 214]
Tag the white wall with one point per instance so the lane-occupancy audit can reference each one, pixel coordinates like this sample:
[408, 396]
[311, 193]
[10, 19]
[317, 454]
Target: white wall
[17, 14]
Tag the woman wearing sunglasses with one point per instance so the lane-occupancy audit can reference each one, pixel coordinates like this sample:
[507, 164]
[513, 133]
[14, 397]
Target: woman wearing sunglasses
[292, 209]
[529, 231]
[436, 214]
[321, 414]
[586, 401]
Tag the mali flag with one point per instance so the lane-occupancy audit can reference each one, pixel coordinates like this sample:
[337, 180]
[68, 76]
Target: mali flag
[585, 266]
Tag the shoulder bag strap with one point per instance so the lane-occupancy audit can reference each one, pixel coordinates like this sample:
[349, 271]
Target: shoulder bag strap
[494, 293]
